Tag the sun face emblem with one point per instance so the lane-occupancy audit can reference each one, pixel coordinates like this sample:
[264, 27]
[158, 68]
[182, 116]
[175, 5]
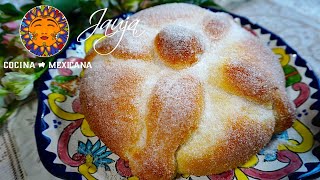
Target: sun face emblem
[44, 31]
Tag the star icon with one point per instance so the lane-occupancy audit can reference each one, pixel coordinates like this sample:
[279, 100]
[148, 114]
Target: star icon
[42, 64]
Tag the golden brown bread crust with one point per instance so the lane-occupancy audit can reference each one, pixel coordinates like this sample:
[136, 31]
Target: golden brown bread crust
[115, 119]
[215, 27]
[239, 129]
[284, 112]
[229, 152]
[259, 79]
[200, 108]
[168, 125]
[257, 87]
[178, 52]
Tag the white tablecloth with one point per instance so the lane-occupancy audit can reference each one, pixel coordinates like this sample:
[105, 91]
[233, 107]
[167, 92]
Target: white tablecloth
[297, 22]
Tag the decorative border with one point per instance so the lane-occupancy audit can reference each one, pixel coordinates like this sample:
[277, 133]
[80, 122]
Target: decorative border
[42, 141]
[58, 170]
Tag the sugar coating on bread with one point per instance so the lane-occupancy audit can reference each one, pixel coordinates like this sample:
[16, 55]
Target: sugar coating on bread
[178, 47]
[195, 94]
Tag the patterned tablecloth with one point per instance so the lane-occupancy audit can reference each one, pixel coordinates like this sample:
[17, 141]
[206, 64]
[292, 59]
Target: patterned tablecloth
[297, 22]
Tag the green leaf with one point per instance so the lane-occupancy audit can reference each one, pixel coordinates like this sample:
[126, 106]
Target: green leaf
[115, 4]
[22, 58]
[2, 70]
[88, 7]
[211, 4]
[64, 6]
[10, 10]
[38, 2]
[4, 18]
[3, 92]
[27, 7]
[63, 79]
[102, 3]
[12, 107]
[131, 5]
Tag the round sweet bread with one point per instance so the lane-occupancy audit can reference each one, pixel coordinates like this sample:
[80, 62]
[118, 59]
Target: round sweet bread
[194, 94]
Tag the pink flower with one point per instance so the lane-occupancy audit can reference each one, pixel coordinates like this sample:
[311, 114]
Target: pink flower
[7, 38]
[10, 26]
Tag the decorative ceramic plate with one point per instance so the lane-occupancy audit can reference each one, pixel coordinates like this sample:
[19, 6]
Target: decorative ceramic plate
[70, 150]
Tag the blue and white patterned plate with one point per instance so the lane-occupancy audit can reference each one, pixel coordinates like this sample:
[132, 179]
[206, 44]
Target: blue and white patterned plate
[69, 149]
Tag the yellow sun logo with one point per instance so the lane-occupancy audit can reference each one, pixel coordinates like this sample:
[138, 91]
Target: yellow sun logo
[44, 31]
